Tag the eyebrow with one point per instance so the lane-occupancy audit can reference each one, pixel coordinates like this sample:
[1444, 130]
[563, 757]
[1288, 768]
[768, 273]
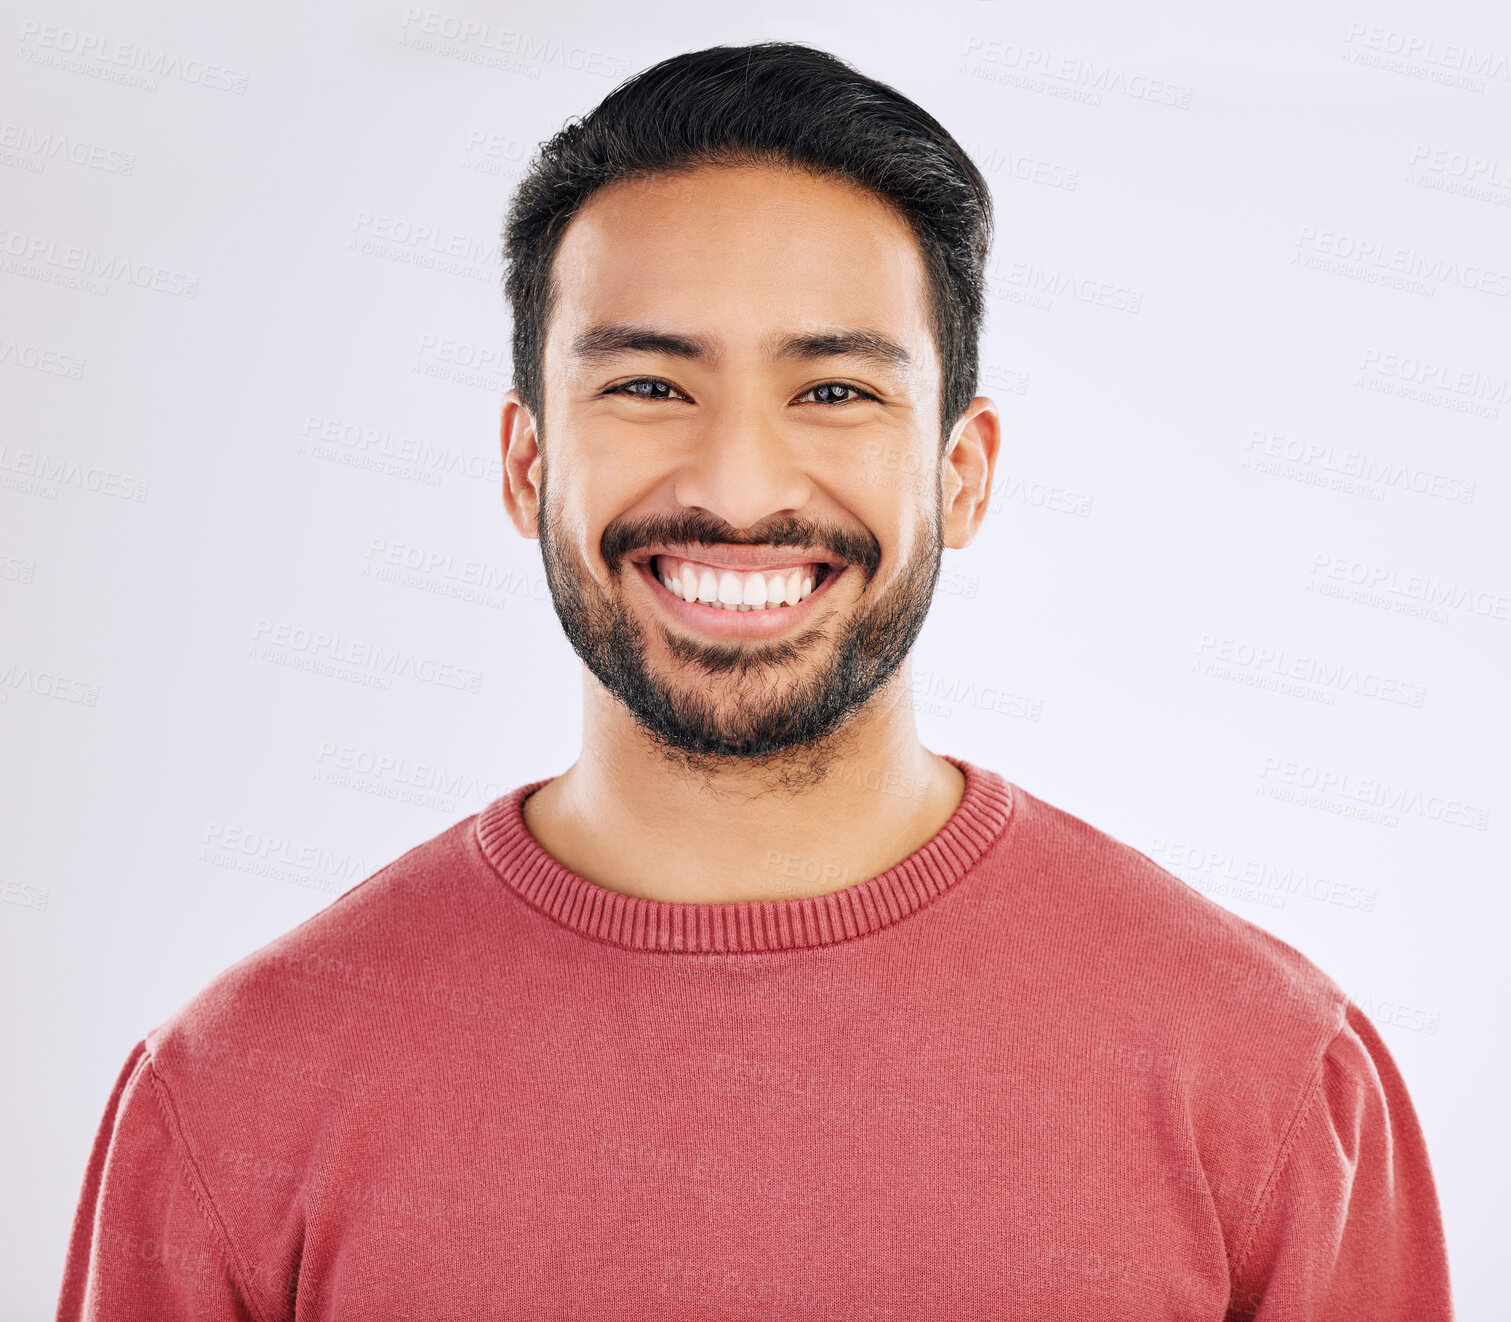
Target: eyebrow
[613, 339]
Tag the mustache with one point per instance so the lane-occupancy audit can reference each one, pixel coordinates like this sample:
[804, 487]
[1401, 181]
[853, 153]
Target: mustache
[624, 539]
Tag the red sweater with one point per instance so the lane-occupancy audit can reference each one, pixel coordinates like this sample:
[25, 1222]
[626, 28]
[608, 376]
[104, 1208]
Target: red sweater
[1026, 1073]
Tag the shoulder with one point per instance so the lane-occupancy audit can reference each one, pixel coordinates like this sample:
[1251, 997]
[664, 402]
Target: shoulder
[1175, 1007]
[257, 1077]
[1157, 927]
[325, 986]
[1180, 970]
[275, 1060]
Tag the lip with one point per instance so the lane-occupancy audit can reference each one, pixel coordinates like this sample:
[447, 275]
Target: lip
[740, 559]
[736, 624]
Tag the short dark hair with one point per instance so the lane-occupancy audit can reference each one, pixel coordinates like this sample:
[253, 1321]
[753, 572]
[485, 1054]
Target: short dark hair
[771, 102]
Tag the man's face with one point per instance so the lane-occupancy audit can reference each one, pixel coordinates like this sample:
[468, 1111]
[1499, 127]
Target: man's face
[748, 458]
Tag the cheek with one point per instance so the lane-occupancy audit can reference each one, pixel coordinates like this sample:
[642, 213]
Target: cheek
[891, 476]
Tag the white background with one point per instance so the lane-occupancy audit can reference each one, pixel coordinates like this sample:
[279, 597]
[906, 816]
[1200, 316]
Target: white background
[1243, 600]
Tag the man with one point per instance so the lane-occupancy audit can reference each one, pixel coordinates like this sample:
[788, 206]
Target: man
[760, 1009]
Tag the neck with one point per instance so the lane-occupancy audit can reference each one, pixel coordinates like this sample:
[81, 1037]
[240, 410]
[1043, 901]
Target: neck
[631, 819]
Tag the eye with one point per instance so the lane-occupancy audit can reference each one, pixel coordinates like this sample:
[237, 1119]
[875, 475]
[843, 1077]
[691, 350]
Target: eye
[855, 392]
[654, 388]
[630, 388]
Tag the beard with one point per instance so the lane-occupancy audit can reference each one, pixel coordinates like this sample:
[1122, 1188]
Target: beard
[777, 708]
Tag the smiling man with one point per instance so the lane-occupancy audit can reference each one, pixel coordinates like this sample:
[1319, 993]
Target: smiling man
[760, 1009]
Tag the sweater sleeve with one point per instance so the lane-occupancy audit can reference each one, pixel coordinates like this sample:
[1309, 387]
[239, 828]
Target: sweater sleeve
[145, 1246]
[1348, 1227]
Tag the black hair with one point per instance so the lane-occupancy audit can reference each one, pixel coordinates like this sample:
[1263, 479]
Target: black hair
[771, 102]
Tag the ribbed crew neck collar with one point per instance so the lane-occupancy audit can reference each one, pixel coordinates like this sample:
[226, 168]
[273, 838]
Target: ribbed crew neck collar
[753, 925]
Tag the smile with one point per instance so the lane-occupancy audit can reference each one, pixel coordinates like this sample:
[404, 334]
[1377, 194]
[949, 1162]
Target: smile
[726, 605]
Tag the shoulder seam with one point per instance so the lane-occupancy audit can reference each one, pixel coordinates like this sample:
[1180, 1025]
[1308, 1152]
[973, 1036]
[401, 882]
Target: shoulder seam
[201, 1189]
[1287, 1145]
[144, 1061]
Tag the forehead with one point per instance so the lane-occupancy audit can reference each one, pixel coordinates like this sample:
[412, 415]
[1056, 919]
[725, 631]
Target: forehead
[740, 252]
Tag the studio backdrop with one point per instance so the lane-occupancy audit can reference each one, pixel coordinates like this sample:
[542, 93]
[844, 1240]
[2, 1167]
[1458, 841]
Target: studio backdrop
[1242, 598]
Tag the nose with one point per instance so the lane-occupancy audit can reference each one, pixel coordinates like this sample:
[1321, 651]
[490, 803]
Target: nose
[741, 468]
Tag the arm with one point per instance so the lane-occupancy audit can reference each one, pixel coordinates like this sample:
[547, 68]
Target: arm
[1348, 1227]
[146, 1244]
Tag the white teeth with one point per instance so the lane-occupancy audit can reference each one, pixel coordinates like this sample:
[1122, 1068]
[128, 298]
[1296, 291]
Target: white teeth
[727, 590]
[792, 590]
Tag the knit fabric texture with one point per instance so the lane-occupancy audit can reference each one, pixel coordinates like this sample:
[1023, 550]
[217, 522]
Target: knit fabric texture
[1025, 1073]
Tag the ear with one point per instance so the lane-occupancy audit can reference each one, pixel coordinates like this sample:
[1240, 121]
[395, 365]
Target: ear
[522, 462]
[970, 459]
